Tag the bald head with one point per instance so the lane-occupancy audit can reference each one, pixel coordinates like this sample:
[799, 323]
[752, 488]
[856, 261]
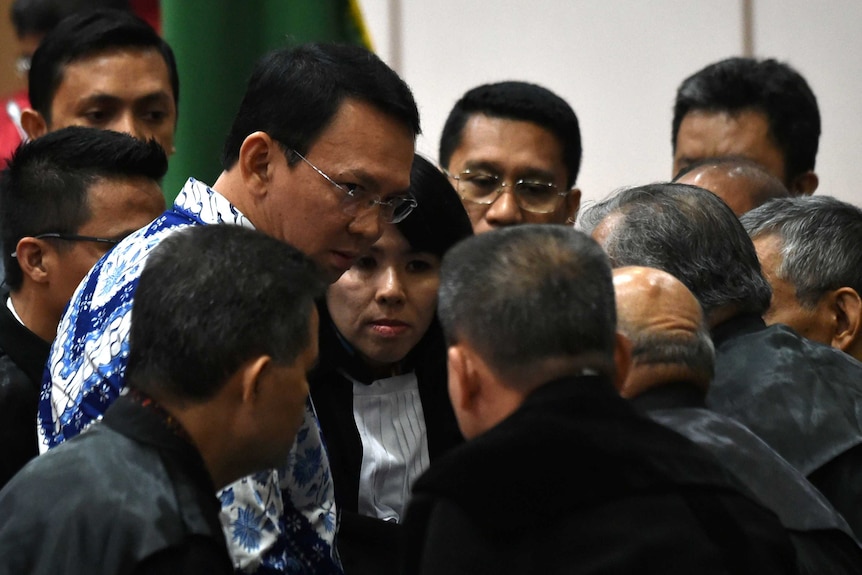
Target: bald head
[741, 183]
[665, 324]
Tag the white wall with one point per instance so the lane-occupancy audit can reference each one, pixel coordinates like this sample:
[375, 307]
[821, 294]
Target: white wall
[822, 40]
[618, 63]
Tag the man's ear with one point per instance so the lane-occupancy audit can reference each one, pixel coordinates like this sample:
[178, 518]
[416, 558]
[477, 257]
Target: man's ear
[573, 204]
[462, 384]
[257, 155]
[622, 360]
[250, 378]
[33, 123]
[804, 184]
[466, 391]
[847, 306]
[32, 260]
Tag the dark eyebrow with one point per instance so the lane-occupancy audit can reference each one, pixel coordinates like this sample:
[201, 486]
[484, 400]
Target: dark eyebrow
[497, 170]
[101, 99]
[536, 173]
[362, 177]
[483, 165]
[112, 100]
[160, 97]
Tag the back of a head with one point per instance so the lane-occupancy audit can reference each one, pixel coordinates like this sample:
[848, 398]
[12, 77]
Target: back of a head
[774, 88]
[44, 187]
[741, 182]
[83, 35]
[665, 325]
[524, 295]
[689, 233]
[38, 17]
[293, 94]
[520, 101]
[821, 238]
[211, 298]
[439, 221]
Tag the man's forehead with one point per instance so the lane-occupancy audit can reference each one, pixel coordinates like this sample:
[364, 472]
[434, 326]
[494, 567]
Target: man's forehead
[507, 143]
[482, 127]
[93, 57]
[710, 134]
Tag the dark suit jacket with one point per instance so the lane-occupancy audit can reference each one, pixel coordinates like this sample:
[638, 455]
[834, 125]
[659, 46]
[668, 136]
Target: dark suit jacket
[22, 360]
[824, 542]
[575, 481]
[803, 398]
[128, 496]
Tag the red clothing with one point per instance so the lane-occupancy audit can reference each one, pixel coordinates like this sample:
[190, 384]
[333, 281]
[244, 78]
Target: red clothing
[11, 132]
[150, 11]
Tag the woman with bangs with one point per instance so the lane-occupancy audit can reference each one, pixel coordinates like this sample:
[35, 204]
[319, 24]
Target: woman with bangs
[380, 389]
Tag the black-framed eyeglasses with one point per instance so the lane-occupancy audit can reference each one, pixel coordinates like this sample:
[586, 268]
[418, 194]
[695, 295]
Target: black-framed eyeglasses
[73, 238]
[533, 195]
[357, 199]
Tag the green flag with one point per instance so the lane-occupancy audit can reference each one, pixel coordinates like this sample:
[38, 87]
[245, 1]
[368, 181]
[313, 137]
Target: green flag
[216, 43]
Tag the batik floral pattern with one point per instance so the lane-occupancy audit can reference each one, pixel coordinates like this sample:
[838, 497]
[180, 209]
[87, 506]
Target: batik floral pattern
[280, 521]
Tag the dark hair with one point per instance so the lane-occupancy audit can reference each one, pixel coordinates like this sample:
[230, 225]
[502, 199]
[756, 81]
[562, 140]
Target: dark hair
[83, 35]
[439, 221]
[821, 239]
[294, 93]
[45, 184]
[41, 16]
[516, 101]
[689, 233]
[768, 86]
[211, 298]
[524, 294]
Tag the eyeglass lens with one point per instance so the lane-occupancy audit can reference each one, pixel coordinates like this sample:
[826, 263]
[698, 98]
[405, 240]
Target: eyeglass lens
[531, 195]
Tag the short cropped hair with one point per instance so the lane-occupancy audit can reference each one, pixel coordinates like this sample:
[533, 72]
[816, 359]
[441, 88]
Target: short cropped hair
[440, 220]
[45, 184]
[520, 101]
[525, 294]
[774, 88]
[821, 239]
[689, 233]
[694, 350]
[82, 35]
[211, 298]
[294, 93]
[41, 16]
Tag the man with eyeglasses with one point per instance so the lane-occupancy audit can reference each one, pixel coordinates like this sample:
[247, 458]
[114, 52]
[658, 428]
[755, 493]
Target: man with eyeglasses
[513, 151]
[318, 156]
[65, 200]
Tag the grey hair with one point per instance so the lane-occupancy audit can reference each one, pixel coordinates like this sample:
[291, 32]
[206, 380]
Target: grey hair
[689, 233]
[692, 350]
[821, 239]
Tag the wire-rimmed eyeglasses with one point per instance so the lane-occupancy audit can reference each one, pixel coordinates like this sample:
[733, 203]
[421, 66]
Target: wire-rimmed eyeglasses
[357, 199]
[480, 187]
[73, 238]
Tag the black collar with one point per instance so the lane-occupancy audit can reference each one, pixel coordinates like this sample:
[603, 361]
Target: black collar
[737, 325]
[672, 395]
[26, 349]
